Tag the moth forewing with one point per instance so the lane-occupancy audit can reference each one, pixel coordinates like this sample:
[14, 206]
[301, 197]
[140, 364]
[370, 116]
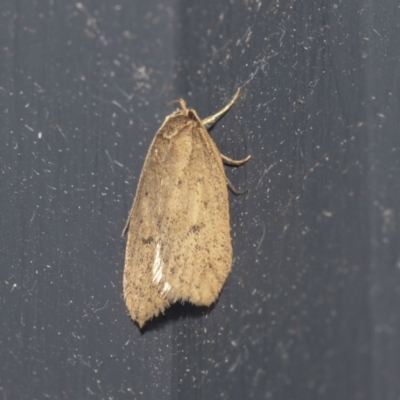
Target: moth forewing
[179, 245]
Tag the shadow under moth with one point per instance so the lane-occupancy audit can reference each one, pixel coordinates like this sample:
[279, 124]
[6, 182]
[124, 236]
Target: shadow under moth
[179, 245]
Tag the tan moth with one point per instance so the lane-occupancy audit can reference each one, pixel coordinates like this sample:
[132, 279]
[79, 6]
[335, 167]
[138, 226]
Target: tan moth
[179, 245]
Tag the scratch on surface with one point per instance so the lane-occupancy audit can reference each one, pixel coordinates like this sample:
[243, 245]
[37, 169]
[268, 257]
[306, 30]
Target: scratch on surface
[377, 32]
[38, 88]
[312, 169]
[129, 97]
[281, 38]
[262, 238]
[115, 102]
[111, 161]
[101, 308]
[246, 37]
[255, 379]
[215, 51]
[264, 173]
[33, 287]
[235, 364]
[62, 133]
[80, 358]
[119, 164]
[260, 64]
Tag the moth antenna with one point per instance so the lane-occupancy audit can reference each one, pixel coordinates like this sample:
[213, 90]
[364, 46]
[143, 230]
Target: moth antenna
[182, 104]
[213, 118]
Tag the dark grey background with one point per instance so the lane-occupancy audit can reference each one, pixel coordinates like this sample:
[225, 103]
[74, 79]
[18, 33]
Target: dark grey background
[312, 307]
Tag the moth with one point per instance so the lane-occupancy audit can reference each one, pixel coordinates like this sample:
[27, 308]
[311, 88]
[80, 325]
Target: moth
[179, 245]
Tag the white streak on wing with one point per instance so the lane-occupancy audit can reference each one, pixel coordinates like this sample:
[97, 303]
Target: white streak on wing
[158, 266]
[166, 288]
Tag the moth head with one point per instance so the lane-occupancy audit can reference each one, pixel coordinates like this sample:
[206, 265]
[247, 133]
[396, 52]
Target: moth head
[185, 111]
[178, 121]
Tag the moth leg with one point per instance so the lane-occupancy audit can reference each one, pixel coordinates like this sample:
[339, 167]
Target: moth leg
[231, 161]
[211, 119]
[233, 189]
